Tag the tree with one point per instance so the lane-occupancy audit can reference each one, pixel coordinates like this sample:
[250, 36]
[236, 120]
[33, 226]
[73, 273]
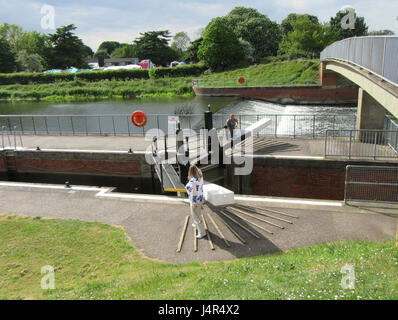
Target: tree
[101, 55]
[109, 46]
[180, 42]
[7, 57]
[32, 42]
[381, 33]
[286, 24]
[67, 50]
[307, 37]
[88, 52]
[29, 62]
[11, 33]
[192, 51]
[154, 45]
[263, 34]
[220, 47]
[125, 51]
[359, 28]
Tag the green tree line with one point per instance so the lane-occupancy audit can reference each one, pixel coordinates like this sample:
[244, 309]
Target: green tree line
[243, 35]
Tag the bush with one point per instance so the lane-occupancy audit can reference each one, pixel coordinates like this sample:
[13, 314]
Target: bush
[180, 71]
[123, 74]
[26, 78]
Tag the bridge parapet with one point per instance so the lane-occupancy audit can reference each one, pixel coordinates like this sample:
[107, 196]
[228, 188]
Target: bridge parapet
[378, 54]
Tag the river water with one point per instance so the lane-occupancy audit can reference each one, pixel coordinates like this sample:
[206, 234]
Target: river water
[103, 115]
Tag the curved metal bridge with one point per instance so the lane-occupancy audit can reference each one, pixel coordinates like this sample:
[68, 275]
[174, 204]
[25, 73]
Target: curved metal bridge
[372, 64]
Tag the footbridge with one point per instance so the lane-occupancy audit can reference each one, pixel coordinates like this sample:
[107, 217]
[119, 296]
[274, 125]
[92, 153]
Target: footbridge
[372, 64]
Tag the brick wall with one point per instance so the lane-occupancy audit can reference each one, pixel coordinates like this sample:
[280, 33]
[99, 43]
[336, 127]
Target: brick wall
[298, 95]
[105, 164]
[301, 178]
[2, 164]
[313, 183]
[96, 167]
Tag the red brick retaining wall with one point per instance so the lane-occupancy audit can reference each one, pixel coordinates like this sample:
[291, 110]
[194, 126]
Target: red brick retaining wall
[95, 167]
[2, 164]
[81, 163]
[287, 95]
[313, 183]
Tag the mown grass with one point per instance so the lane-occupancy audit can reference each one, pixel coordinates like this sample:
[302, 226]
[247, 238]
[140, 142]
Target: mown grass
[96, 261]
[275, 73]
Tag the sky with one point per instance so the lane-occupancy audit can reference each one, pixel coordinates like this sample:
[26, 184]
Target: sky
[124, 20]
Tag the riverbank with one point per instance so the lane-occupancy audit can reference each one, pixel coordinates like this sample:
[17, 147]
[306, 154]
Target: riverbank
[282, 73]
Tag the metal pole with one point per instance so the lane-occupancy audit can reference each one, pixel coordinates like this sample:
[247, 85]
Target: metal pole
[313, 126]
[326, 143]
[128, 125]
[346, 183]
[166, 155]
[45, 122]
[20, 122]
[59, 127]
[85, 121]
[113, 122]
[73, 128]
[34, 126]
[99, 125]
[15, 138]
[276, 126]
[375, 145]
[294, 127]
[2, 137]
[349, 150]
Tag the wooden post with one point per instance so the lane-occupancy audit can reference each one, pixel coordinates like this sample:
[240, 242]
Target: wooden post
[184, 229]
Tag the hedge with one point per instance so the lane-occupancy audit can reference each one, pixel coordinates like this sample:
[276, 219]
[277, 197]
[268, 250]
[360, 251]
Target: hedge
[180, 71]
[27, 78]
[123, 74]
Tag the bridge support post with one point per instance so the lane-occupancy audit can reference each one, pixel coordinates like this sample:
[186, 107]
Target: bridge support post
[370, 113]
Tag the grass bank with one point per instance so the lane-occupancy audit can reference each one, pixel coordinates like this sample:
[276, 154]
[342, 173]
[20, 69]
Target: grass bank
[95, 261]
[280, 73]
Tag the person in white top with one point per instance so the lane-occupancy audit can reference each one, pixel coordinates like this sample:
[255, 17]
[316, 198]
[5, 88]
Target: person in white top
[194, 189]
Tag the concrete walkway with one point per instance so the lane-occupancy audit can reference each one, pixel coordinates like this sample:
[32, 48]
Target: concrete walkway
[262, 145]
[155, 225]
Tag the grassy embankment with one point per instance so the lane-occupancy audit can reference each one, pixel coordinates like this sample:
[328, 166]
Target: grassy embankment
[281, 73]
[95, 261]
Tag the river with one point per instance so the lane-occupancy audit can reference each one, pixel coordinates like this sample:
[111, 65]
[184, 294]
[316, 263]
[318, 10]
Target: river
[289, 119]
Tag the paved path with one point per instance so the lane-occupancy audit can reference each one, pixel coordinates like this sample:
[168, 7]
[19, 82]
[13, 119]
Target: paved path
[155, 226]
[268, 145]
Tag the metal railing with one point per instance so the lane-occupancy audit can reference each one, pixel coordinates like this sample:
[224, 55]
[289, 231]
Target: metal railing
[282, 125]
[375, 144]
[371, 184]
[376, 54]
[391, 140]
[291, 125]
[113, 124]
[10, 139]
[263, 82]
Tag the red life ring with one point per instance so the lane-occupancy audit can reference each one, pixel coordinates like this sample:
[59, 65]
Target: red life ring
[139, 118]
[241, 80]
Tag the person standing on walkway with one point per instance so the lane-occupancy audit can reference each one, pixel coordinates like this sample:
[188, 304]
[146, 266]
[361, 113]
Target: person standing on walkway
[194, 189]
[232, 123]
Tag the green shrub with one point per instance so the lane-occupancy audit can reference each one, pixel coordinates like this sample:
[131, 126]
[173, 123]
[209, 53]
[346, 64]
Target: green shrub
[188, 70]
[38, 78]
[123, 74]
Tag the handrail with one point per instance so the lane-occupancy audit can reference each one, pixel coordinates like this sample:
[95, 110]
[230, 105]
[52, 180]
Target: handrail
[376, 54]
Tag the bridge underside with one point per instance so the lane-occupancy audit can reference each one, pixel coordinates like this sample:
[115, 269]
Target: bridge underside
[375, 95]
